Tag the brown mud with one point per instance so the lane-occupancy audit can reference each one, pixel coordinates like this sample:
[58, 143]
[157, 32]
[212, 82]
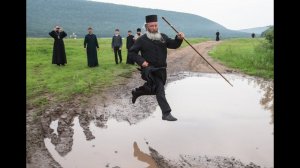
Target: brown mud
[115, 103]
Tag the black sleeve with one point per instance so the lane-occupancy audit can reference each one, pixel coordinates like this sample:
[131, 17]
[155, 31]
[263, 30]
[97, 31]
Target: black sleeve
[173, 43]
[112, 42]
[52, 34]
[85, 42]
[121, 42]
[96, 41]
[134, 50]
[63, 34]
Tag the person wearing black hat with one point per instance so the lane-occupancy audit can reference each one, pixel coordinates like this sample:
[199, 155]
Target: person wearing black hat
[153, 61]
[91, 46]
[129, 43]
[116, 45]
[59, 54]
[138, 34]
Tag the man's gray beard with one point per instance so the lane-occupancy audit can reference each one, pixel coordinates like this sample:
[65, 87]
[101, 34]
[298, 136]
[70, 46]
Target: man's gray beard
[153, 36]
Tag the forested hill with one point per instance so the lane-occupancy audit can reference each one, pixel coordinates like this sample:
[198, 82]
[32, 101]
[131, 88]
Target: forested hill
[76, 15]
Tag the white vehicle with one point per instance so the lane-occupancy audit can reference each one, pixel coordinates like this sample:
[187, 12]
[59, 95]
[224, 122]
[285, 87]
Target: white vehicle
[74, 36]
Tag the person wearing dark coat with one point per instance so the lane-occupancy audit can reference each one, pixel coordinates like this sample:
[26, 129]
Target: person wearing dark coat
[138, 34]
[59, 54]
[153, 61]
[253, 35]
[129, 43]
[217, 36]
[91, 45]
[116, 45]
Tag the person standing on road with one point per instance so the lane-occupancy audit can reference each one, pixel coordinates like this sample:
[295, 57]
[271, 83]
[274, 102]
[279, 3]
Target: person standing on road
[217, 36]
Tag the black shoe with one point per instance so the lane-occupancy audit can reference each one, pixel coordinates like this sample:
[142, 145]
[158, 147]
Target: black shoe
[134, 96]
[169, 117]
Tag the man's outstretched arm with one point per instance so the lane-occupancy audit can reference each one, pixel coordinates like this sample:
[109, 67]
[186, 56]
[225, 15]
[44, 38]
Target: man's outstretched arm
[175, 43]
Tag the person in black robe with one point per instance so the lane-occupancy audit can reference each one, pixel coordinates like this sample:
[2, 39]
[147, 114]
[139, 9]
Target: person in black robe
[217, 36]
[129, 43]
[91, 46]
[253, 35]
[138, 34]
[153, 61]
[59, 54]
[116, 45]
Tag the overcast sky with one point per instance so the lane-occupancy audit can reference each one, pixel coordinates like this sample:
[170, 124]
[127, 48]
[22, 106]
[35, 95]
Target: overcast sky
[233, 14]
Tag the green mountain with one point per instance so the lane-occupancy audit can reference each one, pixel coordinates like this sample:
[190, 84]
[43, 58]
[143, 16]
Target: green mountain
[270, 30]
[76, 15]
[256, 30]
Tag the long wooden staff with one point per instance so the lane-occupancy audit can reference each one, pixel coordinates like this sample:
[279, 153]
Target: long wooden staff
[196, 50]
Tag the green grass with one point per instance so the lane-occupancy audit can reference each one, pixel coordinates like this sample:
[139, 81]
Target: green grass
[251, 56]
[193, 41]
[48, 83]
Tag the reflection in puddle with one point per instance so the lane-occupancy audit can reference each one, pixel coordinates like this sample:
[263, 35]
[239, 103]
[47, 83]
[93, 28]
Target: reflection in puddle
[214, 119]
[143, 157]
[54, 125]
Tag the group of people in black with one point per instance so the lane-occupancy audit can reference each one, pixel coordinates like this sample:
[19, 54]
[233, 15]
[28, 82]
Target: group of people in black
[91, 46]
[148, 50]
[218, 35]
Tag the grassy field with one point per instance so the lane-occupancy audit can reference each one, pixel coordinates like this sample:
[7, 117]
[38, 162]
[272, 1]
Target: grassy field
[48, 83]
[248, 55]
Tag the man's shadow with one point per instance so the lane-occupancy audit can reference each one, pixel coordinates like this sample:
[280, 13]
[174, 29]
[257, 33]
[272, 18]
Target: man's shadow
[141, 156]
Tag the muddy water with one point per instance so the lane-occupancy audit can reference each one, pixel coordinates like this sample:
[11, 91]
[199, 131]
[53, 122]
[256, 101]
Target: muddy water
[214, 119]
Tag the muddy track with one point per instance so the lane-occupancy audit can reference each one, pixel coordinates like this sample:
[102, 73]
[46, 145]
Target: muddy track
[114, 102]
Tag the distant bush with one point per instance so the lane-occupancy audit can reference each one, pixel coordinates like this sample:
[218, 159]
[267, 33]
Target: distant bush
[269, 35]
[266, 46]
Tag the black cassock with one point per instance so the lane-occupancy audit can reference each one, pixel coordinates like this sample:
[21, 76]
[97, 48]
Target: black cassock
[91, 45]
[129, 43]
[217, 36]
[59, 54]
[155, 53]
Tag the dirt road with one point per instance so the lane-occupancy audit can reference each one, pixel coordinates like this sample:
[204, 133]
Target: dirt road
[115, 102]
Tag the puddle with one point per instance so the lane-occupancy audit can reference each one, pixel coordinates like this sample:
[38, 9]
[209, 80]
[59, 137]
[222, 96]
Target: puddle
[54, 125]
[214, 119]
